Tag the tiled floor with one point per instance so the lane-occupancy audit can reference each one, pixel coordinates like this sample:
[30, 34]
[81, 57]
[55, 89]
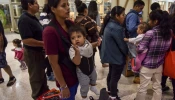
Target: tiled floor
[21, 89]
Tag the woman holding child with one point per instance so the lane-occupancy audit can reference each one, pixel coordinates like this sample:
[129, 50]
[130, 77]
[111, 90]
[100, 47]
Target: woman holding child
[157, 41]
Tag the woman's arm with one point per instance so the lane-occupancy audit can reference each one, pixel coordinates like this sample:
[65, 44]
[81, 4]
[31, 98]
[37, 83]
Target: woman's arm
[53, 59]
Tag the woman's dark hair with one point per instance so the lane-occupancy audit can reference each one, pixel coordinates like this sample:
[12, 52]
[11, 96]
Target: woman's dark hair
[80, 6]
[24, 3]
[155, 6]
[172, 23]
[77, 28]
[139, 3]
[17, 42]
[117, 10]
[163, 21]
[46, 8]
[93, 10]
[53, 3]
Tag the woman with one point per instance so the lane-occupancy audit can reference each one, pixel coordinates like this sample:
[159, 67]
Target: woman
[57, 50]
[114, 49]
[93, 12]
[157, 41]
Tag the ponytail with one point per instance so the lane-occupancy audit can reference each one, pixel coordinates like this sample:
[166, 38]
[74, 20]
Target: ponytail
[105, 21]
[165, 29]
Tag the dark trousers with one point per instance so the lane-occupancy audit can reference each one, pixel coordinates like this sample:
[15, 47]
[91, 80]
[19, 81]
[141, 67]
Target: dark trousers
[163, 83]
[114, 75]
[37, 76]
[48, 66]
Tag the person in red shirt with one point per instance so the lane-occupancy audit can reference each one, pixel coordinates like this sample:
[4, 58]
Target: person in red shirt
[19, 53]
[53, 43]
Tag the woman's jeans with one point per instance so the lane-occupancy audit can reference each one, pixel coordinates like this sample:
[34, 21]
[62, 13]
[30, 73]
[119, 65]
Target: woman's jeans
[114, 75]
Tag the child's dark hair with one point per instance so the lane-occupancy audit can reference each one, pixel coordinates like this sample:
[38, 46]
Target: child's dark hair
[163, 19]
[144, 26]
[17, 42]
[77, 28]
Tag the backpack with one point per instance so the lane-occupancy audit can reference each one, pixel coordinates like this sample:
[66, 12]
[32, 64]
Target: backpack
[124, 25]
[66, 44]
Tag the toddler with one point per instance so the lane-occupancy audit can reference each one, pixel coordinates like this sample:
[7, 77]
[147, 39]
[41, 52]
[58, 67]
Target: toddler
[81, 54]
[142, 28]
[19, 53]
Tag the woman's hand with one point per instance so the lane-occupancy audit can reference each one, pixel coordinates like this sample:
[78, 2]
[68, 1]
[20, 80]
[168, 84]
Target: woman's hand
[126, 39]
[65, 93]
[99, 41]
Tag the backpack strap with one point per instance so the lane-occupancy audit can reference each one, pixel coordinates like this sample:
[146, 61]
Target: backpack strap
[64, 58]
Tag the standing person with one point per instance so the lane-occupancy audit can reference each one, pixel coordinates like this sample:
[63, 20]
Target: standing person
[93, 12]
[155, 6]
[19, 53]
[57, 44]
[157, 41]
[132, 21]
[3, 60]
[31, 33]
[114, 49]
[81, 54]
[84, 20]
[45, 18]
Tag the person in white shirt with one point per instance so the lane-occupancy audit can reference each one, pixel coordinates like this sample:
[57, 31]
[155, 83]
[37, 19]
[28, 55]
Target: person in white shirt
[142, 28]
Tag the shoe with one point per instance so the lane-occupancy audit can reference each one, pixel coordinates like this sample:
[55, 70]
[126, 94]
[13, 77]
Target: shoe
[11, 81]
[50, 78]
[166, 88]
[114, 98]
[105, 65]
[1, 80]
[136, 80]
[94, 89]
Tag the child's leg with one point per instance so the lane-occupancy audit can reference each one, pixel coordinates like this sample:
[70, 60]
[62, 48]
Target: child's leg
[23, 65]
[93, 78]
[84, 83]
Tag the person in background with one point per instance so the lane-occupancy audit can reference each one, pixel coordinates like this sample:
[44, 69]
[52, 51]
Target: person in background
[132, 21]
[58, 50]
[19, 53]
[114, 49]
[155, 6]
[81, 54]
[3, 60]
[93, 12]
[45, 18]
[30, 31]
[157, 41]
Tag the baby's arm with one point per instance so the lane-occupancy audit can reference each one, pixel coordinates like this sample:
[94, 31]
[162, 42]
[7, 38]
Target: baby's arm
[75, 55]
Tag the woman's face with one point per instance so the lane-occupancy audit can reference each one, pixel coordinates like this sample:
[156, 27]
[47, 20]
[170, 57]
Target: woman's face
[62, 9]
[152, 23]
[121, 17]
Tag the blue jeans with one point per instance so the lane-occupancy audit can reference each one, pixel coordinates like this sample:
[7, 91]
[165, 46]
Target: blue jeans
[73, 92]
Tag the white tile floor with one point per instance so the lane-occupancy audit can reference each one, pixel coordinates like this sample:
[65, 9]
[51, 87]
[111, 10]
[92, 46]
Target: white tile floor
[21, 89]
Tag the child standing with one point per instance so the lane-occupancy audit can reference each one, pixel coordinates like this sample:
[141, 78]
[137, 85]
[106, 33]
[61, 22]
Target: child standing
[19, 53]
[81, 54]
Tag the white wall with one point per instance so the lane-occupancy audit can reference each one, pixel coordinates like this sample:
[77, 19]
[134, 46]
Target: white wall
[4, 1]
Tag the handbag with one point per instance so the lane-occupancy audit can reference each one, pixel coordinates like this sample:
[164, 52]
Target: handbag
[169, 64]
[136, 63]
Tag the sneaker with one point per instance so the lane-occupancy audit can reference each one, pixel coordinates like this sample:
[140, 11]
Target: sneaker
[94, 89]
[136, 80]
[166, 88]
[1, 80]
[11, 81]
[51, 78]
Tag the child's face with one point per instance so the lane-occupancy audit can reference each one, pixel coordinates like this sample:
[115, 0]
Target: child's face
[77, 38]
[139, 31]
[14, 45]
